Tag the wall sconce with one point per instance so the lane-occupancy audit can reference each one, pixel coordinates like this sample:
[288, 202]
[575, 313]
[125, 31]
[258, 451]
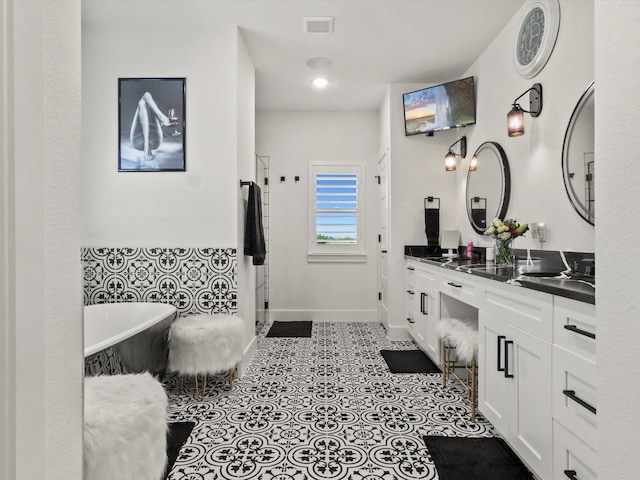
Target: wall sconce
[515, 118]
[450, 157]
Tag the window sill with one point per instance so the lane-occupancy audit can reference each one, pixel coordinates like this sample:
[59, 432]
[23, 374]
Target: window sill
[336, 258]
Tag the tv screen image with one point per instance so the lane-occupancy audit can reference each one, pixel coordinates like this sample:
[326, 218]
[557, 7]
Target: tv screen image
[440, 107]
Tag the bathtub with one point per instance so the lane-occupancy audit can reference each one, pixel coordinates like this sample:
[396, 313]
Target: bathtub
[138, 330]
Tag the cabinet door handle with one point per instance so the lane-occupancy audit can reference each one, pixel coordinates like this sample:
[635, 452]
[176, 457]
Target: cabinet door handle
[572, 395]
[500, 338]
[579, 331]
[383, 251]
[506, 359]
[410, 292]
[409, 268]
[572, 474]
[410, 320]
[424, 306]
[457, 285]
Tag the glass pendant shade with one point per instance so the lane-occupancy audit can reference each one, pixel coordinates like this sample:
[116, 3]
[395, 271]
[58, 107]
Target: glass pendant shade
[473, 166]
[450, 161]
[515, 121]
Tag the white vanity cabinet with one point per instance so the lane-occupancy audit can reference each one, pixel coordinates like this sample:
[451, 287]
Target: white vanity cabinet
[428, 298]
[424, 307]
[411, 306]
[536, 363]
[514, 391]
[574, 390]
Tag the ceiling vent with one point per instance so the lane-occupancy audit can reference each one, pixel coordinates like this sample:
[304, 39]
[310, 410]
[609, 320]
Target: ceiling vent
[318, 24]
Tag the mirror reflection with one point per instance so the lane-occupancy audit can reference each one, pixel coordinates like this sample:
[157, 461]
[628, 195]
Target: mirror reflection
[578, 159]
[488, 186]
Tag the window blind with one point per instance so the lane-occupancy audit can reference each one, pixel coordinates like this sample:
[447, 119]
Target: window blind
[336, 209]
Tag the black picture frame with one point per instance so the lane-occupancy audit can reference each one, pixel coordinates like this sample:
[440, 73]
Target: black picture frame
[151, 124]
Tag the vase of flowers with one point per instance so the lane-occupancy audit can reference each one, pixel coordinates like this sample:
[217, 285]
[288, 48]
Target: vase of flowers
[504, 233]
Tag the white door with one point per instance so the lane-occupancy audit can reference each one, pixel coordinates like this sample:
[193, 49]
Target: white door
[430, 308]
[495, 393]
[530, 424]
[383, 239]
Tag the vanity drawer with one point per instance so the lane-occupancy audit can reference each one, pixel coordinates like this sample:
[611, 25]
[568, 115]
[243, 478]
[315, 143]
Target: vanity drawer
[572, 458]
[526, 309]
[574, 394]
[427, 277]
[574, 327]
[410, 271]
[461, 286]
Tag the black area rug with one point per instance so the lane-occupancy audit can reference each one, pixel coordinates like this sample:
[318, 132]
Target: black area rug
[290, 329]
[464, 458]
[409, 361]
[176, 437]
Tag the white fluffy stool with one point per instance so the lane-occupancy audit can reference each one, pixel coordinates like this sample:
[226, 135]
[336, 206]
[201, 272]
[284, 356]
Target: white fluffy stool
[461, 337]
[125, 428]
[205, 344]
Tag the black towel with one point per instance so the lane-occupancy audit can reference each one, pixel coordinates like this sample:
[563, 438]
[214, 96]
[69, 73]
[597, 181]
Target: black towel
[479, 217]
[253, 232]
[432, 225]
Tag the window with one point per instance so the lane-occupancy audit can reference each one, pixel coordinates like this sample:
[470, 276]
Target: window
[336, 199]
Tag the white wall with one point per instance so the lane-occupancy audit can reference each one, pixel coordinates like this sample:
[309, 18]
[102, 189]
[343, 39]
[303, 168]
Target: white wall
[316, 291]
[47, 280]
[201, 207]
[416, 171]
[192, 208]
[617, 61]
[537, 188]
[246, 171]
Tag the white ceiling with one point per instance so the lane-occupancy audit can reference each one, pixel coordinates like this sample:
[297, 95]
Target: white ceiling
[375, 42]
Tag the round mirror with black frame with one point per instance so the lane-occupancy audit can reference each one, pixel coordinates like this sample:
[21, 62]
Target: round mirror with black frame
[578, 159]
[488, 186]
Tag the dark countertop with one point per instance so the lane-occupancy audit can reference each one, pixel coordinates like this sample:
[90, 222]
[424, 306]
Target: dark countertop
[541, 273]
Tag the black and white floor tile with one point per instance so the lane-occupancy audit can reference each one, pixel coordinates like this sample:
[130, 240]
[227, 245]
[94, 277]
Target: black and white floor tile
[324, 407]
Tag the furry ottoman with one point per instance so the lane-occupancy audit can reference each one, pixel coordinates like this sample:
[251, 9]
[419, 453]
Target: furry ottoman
[125, 428]
[205, 344]
[463, 335]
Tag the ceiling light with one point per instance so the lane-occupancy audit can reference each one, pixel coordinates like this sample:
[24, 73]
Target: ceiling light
[320, 82]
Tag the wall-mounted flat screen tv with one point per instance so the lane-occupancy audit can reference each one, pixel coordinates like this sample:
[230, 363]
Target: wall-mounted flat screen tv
[440, 107]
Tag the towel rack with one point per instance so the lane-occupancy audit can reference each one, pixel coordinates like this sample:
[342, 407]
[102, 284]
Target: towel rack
[479, 200]
[432, 200]
[244, 183]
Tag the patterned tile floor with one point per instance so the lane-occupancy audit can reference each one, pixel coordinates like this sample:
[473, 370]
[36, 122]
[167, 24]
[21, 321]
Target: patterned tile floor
[319, 407]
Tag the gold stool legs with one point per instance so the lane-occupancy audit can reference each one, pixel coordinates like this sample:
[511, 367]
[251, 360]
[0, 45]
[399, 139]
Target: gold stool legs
[469, 382]
[201, 393]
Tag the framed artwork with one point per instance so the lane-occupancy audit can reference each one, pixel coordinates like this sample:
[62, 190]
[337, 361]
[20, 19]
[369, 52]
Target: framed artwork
[151, 125]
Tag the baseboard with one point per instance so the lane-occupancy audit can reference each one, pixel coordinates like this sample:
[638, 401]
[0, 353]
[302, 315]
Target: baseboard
[324, 315]
[247, 356]
[397, 332]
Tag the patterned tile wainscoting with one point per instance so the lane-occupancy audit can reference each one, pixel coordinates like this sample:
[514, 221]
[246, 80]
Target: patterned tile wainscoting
[194, 280]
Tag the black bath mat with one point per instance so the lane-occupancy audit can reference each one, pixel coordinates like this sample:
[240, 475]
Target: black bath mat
[290, 329]
[409, 361]
[464, 458]
[176, 437]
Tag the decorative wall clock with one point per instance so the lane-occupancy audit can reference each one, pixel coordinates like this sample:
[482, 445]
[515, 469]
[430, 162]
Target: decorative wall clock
[536, 36]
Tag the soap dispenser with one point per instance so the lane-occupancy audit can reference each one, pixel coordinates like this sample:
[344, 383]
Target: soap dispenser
[470, 250]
